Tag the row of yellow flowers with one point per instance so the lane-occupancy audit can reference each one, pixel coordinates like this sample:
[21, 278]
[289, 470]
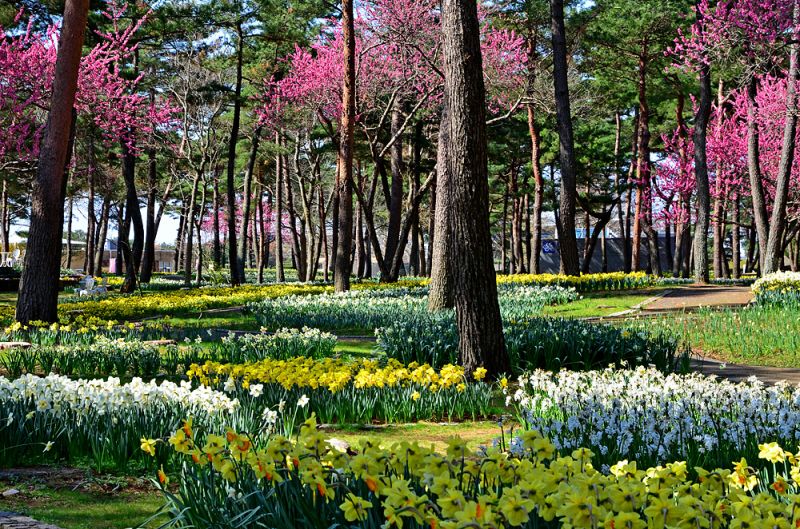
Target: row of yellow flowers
[354, 392]
[314, 484]
[333, 374]
[583, 283]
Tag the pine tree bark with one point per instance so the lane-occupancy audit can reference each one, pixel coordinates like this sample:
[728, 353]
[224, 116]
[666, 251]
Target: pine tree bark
[568, 244]
[700, 249]
[38, 296]
[233, 256]
[440, 295]
[344, 173]
[480, 329]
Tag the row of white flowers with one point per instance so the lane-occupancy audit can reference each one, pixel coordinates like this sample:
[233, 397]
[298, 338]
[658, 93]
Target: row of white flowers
[100, 418]
[651, 417]
[370, 309]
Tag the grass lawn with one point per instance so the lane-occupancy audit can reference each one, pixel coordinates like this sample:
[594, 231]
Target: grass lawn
[426, 433]
[605, 303]
[83, 509]
[356, 347]
[766, 336]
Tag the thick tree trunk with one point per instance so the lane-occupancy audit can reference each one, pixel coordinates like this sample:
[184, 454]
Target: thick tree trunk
[247, 193]
[230, 182]
[773, 260]
[700, 249]
[568, 245]
[480, 329]
[38, 296]
[344, 173]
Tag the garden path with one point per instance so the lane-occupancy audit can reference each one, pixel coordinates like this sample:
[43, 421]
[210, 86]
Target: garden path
[739, 372]
[10, 520]
[696, 296]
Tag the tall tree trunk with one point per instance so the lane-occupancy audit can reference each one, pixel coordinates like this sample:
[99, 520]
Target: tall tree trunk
[480, 329]
[299, 250]
[754, 169]
[504, 235]
[247, 193]
[217, 243]
[149, 255]
[102, 231]
[191, 214]
[538, 192]
[643, 188]
[773, 260]
[132, 203]
[618, 182]
[735, 239]
[701, 173]
[396, 193]
[415, 172]
[278, 195]
[233, 257]
[344, 173]
[123, 237]
[180, 237]
[719, 226]
[91, 215]
[568, 245]
[70, 203]
[38, 296]
[440, 295]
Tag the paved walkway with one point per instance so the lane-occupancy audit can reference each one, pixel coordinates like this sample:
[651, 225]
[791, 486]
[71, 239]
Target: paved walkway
[693, 297]
[739, 373]
[10, 520]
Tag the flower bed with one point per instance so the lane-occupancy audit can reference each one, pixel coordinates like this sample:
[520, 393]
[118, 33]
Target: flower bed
[780, 288]
[547, 343]
[370, 309]
[353, 392]
[131, 357]
[54, 416]
[646, 415]
[584, 283]
[310, 484]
